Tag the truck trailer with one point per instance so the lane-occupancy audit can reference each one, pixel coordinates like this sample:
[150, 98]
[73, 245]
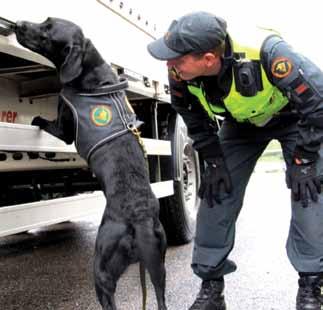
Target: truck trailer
[43, 180]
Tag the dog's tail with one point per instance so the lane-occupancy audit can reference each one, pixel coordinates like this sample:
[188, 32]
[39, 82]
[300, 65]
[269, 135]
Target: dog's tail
[142, 272]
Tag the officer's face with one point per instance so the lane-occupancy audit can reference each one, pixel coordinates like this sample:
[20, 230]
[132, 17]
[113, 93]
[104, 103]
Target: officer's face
[191, 66]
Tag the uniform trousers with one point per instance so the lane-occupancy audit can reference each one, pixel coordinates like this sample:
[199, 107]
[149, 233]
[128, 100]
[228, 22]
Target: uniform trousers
[242, 145]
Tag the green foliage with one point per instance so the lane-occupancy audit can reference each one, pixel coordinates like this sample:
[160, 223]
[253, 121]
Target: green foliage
[272, 152]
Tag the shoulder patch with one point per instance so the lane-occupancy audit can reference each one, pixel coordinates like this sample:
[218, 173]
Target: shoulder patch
[101, 115]
[281, 67]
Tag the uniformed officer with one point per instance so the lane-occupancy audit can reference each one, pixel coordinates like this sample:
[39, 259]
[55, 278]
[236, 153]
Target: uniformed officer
[264, 90]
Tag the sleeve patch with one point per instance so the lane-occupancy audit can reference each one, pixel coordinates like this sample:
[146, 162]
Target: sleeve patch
[281, 67]
[301, 89]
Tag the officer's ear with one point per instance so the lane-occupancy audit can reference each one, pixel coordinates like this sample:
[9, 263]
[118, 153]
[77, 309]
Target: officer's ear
[210, 59]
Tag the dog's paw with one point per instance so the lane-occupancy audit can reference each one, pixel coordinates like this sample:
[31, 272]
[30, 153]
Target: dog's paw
[39, 121]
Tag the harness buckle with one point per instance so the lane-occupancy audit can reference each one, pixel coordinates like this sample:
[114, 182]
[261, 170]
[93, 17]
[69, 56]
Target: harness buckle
[137, 134]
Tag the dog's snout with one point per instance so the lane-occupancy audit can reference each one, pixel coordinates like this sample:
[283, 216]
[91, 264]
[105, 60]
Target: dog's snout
[21, 25]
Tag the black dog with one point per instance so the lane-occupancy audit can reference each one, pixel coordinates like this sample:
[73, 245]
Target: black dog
[93, 112]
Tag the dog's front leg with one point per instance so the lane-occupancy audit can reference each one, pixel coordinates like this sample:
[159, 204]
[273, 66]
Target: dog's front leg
[62, 127]
[40, 122]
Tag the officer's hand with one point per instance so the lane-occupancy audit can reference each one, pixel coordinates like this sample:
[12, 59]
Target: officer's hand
[304, 180]
[215, 180]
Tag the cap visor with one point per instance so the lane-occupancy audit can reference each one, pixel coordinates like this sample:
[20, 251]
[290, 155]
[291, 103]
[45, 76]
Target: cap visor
[159, 50]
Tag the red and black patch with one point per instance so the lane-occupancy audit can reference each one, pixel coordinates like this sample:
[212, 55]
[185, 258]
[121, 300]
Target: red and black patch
[281, 67]
[301, 89]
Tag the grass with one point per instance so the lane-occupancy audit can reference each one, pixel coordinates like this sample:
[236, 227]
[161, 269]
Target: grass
[272, 152]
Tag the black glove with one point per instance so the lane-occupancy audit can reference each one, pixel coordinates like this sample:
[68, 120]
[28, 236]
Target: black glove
[303, 179]
[39, 121]
[215, 180]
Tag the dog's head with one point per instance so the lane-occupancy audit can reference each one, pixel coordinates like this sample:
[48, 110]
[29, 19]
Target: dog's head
[59, 40]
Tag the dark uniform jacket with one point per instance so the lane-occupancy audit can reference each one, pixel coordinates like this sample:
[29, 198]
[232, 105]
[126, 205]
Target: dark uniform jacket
[303, 86]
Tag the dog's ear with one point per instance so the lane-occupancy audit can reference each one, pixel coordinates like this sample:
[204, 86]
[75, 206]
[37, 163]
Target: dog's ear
[72, 66]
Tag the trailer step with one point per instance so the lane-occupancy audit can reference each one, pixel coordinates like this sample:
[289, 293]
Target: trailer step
[20, 137]
[24, 217]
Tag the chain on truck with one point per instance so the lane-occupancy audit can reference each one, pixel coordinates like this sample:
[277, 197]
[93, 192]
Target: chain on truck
[43, 180]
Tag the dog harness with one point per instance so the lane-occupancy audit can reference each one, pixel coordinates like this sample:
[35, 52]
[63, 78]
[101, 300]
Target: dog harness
[100, 116]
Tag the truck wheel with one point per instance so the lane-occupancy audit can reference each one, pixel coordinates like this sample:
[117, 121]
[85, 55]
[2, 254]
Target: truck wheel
[178, 212]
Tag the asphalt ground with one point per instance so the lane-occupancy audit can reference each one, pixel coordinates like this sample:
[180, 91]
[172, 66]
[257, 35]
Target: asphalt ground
[51, 268]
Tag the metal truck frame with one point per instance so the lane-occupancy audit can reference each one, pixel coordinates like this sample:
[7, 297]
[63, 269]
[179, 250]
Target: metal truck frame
[43, 181]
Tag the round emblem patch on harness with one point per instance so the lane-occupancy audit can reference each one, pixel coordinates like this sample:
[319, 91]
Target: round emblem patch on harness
[281, 67]
[101, 115]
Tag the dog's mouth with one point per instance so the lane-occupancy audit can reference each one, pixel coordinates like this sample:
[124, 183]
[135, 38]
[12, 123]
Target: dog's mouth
[21, 30]
[23, 34]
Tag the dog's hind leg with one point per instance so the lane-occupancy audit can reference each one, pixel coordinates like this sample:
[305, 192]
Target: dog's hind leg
[151, 242]
[113, 250]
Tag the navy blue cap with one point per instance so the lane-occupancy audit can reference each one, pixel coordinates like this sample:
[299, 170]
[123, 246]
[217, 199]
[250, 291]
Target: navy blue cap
[195, 32]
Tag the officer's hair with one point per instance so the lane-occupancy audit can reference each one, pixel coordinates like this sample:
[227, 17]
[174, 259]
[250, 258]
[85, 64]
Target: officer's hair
[218, 51]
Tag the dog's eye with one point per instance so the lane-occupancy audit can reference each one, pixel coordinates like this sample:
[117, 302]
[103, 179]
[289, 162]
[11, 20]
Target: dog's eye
[48, 27]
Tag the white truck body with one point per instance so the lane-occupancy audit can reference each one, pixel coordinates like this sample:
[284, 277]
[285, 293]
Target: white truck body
[33, 162]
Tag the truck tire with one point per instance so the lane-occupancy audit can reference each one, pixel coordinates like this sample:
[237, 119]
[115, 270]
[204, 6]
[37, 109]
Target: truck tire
[178, 212]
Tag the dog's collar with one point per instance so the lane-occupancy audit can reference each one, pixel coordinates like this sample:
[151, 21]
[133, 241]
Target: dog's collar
[107, 89]
[115, 87]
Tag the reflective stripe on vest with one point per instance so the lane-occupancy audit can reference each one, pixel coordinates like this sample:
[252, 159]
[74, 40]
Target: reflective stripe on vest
[258, 109]
[211, 109]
